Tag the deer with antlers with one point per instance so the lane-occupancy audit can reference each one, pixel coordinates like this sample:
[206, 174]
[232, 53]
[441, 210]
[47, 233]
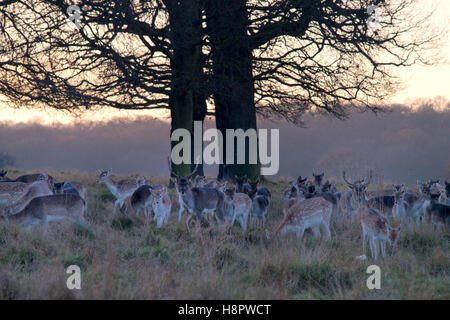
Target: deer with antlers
[375, 227]
[197, 200]
[349, 199]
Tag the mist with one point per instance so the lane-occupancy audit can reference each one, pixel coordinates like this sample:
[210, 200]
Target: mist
[401, 146]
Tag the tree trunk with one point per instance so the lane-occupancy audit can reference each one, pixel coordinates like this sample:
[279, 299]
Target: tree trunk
[198, 115]
[186, 35]
[233, 82]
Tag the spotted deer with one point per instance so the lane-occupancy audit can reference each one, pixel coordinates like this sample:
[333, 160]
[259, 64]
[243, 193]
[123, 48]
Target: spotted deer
[41, 210]
[27, 178]
[237, 207]
[11, 192]
[197, 200]
[36, 189]
[122, 189]
[375, 226]
[313, 213]
[161, 204]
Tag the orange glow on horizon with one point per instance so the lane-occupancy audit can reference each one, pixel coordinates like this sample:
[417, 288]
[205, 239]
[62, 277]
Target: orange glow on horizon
[420, 82]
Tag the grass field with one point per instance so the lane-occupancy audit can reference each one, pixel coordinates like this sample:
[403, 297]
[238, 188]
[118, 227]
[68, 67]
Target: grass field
[121, 258]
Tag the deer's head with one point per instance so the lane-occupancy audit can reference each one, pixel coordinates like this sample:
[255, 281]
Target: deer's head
[182, 184]
[359, 187]
[318, 178]
[104, 175]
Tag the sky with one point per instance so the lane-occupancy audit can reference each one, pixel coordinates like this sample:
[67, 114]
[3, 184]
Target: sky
[419, 82]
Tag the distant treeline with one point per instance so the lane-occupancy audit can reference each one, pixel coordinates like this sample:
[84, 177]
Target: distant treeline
[402, 145]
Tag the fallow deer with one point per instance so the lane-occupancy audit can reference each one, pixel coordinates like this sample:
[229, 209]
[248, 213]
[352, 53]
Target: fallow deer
[375, 226]
[318, 178]
[350, 200]
[201, 182]
[401, 207]
[419, 208]
[36, 189]
[384, 204]
[74, 187]
[197, 200]
[437, 213]
[41, 210]
[442, 193]
[238, 206]
[301, 182]
[313, 213]
[255, 190]
[161, 205]
[26, 178]
[142, 200]
[11, 192]
[241, 185]
[122, 189]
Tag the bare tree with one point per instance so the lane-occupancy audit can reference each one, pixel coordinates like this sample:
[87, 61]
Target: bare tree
[288, 57]
[128, 54]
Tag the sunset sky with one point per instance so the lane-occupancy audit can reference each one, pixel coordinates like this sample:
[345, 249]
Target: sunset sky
[426, 82]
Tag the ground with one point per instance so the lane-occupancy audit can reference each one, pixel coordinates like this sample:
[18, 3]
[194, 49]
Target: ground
[121, 258]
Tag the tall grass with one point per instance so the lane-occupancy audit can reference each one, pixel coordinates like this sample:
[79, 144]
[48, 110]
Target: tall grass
[122, 258]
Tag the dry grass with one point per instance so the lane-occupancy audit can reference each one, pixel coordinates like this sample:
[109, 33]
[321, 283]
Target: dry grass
[121, 258]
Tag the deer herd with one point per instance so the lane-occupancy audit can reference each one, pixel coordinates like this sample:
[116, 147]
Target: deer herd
[36, 199]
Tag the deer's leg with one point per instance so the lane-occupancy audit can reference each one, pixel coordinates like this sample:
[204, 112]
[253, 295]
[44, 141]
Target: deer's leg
[325, 230]
[383, 248]
[371, 247]
[300, 232]
[188, 220]
[244, 222]
[374, 248]
[316, 232]
[160, 221]
[44, 227]
[364, 242]
[116, 203]
[180, 211]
